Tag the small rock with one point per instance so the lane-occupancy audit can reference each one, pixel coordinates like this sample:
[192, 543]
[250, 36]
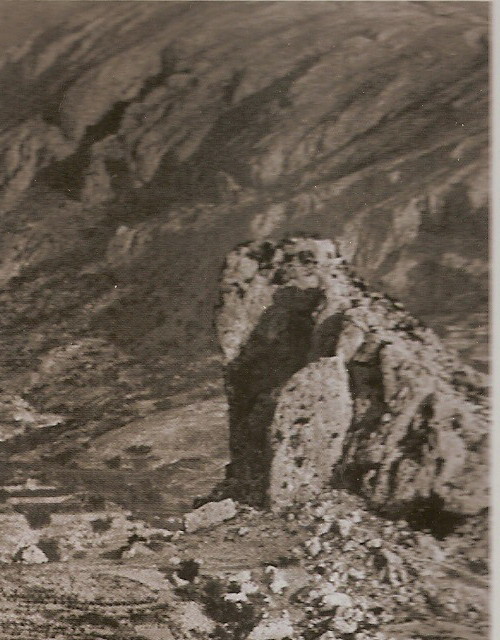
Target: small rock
[328, 635]
[236, 597]
[193, 619]
[334, 600]
[323, 528]
[243, 580]
[242, 531]
[376, 543]
[330, 598]
[334, 578]
[33, 555]
[161, 534]
[371, 618]
[356, 574]
[241, 577]
[273, 628]
[327, 547]
[341, 625]
[319, 511]
[179, 582]
[344, 527]
[393, 567]
[209, 515]
[429, 545]
[154, 632]
[138, 548]
[313, 546]
[278, 580]
[356, 517]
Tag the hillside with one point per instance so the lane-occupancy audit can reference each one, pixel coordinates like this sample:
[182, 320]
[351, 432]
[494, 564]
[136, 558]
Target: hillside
[361, 441]
[142, 142]
[244, 329]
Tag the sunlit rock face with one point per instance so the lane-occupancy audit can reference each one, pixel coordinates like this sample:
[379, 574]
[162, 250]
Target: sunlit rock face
[140, 143]
[332, 384]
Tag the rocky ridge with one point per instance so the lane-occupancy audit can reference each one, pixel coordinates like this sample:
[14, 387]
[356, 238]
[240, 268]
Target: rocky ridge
[330, 382]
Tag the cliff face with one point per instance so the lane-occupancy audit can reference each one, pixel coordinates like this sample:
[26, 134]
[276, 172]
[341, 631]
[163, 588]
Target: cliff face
[140, 143]
[330, 383]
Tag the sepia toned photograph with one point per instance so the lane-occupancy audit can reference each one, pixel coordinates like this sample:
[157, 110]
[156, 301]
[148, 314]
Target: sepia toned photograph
[244, 320]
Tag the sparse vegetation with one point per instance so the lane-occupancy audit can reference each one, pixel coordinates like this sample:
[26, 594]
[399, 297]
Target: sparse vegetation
[101, 525]
[38, 516]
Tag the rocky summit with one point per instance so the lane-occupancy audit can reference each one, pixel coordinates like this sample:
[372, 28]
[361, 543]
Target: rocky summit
[331, 382]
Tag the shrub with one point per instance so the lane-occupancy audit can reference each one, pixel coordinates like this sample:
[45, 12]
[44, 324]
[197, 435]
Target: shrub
[50, 547]
[95, 502]
[38, 517]
[101, 525]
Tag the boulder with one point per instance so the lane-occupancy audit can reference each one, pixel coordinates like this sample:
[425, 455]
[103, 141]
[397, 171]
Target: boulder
[209, 515]
[329, 383]
[15, 535]
[193, 622]
[32, 555]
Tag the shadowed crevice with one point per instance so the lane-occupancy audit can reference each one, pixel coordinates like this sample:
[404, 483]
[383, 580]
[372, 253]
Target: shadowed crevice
[277, 348]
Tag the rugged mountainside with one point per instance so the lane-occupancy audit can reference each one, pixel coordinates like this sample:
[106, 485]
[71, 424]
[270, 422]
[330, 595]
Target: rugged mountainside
[328, 381]
[141, 142]
[330, 387]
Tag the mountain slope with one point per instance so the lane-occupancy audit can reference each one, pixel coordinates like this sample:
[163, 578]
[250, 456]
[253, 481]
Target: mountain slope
[141, 142]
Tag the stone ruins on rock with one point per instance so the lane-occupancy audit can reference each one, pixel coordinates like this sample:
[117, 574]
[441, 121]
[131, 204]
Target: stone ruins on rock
[330, 384]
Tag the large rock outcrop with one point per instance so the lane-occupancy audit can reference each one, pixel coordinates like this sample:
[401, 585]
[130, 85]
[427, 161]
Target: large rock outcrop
[331, 383]
[140, 142]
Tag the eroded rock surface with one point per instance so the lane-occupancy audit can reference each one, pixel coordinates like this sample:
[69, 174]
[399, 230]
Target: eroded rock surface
[312, 417]
[328, 381]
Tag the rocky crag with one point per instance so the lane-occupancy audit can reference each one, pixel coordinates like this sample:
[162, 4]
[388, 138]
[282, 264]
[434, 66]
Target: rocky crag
[332, 384]
[140, 143]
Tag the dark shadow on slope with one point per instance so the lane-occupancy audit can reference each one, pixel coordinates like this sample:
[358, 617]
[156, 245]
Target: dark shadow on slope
[277, 348]
[429, 514]
[225, 148]
[68, 175]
